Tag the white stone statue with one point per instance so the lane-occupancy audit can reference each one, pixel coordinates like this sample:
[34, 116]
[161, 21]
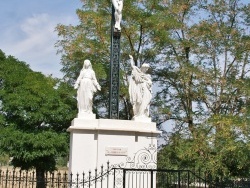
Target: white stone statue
[118, 5]
[87, 85]
[140, 90]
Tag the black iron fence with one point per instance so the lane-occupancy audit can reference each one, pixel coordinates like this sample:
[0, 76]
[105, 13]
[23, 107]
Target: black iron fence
[116, 178]
[28, 179]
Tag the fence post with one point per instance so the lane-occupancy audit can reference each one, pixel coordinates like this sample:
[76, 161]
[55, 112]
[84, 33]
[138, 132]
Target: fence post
[101, 175]
[33, 178]
[6, 181]
[13, 178]
[89, 178]
[58, 179]
[83, 179]
[20, 175]
[152, 178]
[71, 181]
[96, 178]
[114, 177]
[124, 178]
[77, 179]
[65, 180]
[107, 174]
[52, 181]
[179, 179]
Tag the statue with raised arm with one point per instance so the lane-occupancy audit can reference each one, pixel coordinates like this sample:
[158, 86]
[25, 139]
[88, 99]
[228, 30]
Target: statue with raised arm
[87, 85]
[118, 5]
[140, 90]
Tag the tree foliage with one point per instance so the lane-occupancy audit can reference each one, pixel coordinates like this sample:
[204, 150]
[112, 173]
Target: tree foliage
[35, 113]
[199, 54]
[205, 76]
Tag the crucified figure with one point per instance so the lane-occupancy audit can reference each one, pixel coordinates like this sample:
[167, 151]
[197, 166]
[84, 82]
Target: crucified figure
[118, 5]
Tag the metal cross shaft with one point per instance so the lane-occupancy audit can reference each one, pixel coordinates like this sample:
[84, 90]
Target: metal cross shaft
[114, 71]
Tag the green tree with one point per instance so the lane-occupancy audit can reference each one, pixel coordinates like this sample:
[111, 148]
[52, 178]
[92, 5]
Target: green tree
[199, 51]
[205, 81]
[36, 112]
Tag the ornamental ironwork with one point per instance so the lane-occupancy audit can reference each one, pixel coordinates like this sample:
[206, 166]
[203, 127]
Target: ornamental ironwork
[145, 158]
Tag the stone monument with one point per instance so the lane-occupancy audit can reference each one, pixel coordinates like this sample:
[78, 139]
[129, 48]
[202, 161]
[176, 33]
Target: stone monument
[93, 141]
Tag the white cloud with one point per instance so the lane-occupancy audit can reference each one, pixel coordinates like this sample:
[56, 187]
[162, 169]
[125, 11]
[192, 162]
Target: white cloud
[32, 40]
[38, 35]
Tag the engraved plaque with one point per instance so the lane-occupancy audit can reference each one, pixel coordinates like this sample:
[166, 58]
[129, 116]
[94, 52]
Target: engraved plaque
[116, 151]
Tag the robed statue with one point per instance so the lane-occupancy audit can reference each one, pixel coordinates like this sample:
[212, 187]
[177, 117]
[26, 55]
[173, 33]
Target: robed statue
[140, 88]
[87, 85]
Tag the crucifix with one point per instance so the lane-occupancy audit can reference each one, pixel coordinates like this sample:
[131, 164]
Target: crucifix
[117, 6]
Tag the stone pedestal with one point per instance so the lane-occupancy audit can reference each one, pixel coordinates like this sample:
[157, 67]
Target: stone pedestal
[93, 142]
[85, 115]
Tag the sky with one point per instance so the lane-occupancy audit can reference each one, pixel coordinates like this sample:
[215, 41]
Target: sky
[27, 31]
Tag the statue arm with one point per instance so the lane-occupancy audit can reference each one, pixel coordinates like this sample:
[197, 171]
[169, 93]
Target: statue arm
[78, 81]
[96, 84]
[115, 4]
[132, 62]
[137, 75]
[118, 5]
[149, 82]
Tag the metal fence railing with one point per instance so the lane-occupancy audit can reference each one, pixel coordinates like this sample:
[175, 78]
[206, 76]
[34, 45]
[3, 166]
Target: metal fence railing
[116, 178]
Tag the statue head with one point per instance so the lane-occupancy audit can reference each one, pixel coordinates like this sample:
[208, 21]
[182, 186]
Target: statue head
[144, 67]
[87, 64]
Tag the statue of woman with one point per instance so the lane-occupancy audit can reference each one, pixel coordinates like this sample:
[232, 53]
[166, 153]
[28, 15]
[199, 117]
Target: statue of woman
[140, 89]
[87, 85]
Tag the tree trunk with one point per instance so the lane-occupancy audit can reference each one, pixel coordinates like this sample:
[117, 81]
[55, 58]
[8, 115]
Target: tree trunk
[40, 178]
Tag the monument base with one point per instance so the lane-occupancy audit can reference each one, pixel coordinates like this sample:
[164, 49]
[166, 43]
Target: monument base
[142, 119]
[94, 142]
[85, 115]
